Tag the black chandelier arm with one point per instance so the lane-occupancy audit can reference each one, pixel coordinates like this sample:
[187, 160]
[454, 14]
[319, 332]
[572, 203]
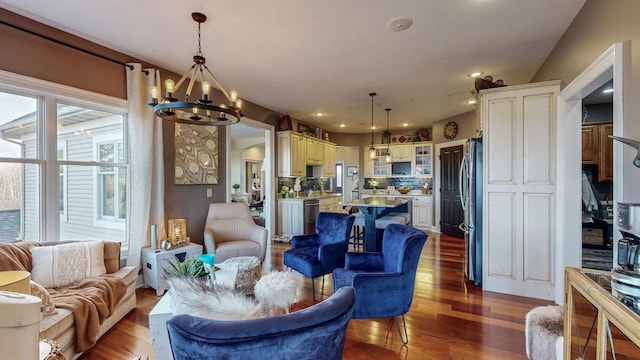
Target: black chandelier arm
[206, 115]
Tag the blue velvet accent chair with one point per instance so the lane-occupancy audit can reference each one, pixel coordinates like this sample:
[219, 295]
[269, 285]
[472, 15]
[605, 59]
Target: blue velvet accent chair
[384, 281]
[318, 254]
[317, 332]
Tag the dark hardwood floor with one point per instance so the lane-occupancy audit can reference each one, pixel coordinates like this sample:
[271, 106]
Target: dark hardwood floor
[450, 318]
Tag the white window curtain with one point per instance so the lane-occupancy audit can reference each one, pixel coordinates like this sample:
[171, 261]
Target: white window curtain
[145, 162]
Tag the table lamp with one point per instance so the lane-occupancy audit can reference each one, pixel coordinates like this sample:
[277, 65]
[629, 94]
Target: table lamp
[177, 230]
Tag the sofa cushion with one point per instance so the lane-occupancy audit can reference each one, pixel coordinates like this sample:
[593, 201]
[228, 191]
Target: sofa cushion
[38, 290]
[64, 264]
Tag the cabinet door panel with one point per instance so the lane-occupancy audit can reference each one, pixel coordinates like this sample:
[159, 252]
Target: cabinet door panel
[605, 166]
[590, 145]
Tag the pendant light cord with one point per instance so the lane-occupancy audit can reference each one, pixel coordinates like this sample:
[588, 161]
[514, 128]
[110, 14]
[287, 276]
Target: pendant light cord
[372, 95]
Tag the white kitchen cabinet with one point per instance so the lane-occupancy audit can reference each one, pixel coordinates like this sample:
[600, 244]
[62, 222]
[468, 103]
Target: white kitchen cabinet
[401, 152]
[315, 151]
[519, 189]
[291, 154]
[422, 159]
[377, 166]
[290, 217]
[422, 212]
[329, 160]
[330, 204]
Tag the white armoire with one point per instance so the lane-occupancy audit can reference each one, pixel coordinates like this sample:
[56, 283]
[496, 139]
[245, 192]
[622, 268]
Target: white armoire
[519, 136]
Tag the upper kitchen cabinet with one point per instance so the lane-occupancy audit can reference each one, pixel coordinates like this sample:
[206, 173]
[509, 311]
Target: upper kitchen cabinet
[291, 154]
[315, 151]
[422, 159]
[597, 149]
[377, 166]
[401, 152]
[329, 161]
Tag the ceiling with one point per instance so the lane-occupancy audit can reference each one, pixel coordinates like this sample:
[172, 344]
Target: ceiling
[302, 57]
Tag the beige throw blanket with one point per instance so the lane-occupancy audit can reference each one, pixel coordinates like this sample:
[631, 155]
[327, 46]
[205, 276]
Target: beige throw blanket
[92, 301]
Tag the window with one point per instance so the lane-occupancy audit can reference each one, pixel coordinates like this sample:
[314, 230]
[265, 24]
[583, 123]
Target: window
[83, 170]
[112, 191]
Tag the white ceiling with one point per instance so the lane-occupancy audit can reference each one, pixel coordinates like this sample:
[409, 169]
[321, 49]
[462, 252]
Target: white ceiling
[301, 57]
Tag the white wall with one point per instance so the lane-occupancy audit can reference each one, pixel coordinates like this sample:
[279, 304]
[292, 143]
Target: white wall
[349, 156]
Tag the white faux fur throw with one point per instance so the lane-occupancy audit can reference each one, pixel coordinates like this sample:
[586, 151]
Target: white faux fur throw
[544, 324]
[195, 297]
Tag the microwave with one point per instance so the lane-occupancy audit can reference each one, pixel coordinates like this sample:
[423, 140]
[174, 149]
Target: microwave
[401, 168]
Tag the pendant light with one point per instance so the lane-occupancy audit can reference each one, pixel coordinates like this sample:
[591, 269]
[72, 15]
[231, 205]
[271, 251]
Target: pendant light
[389, 158]
[372, 148]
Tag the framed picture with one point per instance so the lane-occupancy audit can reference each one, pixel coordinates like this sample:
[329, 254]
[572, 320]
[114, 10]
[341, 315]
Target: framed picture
[352, 170]
[302, 128]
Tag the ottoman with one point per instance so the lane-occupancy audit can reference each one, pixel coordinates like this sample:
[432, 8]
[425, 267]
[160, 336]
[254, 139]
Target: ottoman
[249, 269]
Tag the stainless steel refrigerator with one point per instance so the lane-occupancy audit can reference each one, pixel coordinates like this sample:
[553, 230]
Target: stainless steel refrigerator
[471, 198]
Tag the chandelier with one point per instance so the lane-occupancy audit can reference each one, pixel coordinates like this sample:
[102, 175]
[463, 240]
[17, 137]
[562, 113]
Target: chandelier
[372, 148]
[200, 111]
[389, 158]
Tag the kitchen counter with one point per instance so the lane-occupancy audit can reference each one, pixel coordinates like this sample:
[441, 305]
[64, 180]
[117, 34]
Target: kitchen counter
[315, 197]
[394, 193]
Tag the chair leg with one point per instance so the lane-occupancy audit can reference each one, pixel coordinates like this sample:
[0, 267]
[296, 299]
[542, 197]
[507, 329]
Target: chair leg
[313, 290]
[404, 340]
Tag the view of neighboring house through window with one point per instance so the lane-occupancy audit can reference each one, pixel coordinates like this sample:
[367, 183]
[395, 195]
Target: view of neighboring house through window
[83, 170]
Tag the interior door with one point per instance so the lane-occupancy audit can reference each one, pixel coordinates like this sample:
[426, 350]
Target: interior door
[451, 211]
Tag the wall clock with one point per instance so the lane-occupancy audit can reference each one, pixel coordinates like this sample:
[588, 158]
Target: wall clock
[450, 130]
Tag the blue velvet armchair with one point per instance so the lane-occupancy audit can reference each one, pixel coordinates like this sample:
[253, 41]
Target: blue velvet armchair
[384, 281]
[318, 254]
[317, 332]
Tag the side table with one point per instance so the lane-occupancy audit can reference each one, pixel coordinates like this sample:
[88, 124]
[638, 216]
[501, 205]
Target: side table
[156, 261]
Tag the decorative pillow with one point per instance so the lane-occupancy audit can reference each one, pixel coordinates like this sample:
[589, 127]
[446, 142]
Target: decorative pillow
[38, 290]
[64, 264]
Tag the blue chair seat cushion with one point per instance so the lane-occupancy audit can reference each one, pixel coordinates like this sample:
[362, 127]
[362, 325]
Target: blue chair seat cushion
[304, 260]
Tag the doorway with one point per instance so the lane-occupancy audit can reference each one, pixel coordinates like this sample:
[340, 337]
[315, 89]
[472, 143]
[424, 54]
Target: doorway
[451, 211]
[613, 63]
[597, 178]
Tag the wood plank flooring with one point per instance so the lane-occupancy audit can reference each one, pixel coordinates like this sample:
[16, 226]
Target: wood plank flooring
[450, 318]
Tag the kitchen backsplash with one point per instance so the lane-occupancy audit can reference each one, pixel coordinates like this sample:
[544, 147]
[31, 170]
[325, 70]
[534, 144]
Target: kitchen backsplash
[323, 184]
[413, 183]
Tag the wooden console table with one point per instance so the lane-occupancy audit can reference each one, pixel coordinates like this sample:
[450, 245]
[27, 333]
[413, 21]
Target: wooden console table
[596, 323]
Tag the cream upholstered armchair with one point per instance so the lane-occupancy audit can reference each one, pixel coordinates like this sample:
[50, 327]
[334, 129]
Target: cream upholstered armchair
[230, 232]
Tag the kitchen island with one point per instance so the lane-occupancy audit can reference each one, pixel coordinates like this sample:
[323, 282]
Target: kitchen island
[373, 208]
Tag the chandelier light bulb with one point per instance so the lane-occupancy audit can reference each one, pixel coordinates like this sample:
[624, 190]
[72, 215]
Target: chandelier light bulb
[154, 93]
[168, 85]
[234, 96]
[206, 87]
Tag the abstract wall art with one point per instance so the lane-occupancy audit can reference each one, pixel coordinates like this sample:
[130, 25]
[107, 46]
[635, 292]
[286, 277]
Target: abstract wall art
[196, 154]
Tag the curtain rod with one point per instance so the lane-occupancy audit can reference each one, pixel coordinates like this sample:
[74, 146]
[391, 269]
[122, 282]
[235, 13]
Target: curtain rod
[68, 45]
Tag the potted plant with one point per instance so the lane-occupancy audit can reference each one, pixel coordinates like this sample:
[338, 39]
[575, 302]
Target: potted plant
[188, 268]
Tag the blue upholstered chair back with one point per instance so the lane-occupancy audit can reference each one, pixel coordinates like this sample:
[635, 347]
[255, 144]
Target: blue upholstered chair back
[317, 332]
[384, 281]
[334, 227]
[401, 248]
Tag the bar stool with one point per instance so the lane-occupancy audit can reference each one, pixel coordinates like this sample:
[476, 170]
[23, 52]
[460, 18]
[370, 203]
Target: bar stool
[357, 234]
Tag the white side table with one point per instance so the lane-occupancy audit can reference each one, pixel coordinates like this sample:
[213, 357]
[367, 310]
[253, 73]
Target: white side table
[156, 261]
[162, 312]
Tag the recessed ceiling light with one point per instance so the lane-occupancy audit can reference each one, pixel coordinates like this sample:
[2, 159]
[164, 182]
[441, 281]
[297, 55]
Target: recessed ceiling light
[606, 91]
[475, 74]
[343, 125]
[319, 114]
[399, 24]
[405, 124]
[471, 101]
[373, 127]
